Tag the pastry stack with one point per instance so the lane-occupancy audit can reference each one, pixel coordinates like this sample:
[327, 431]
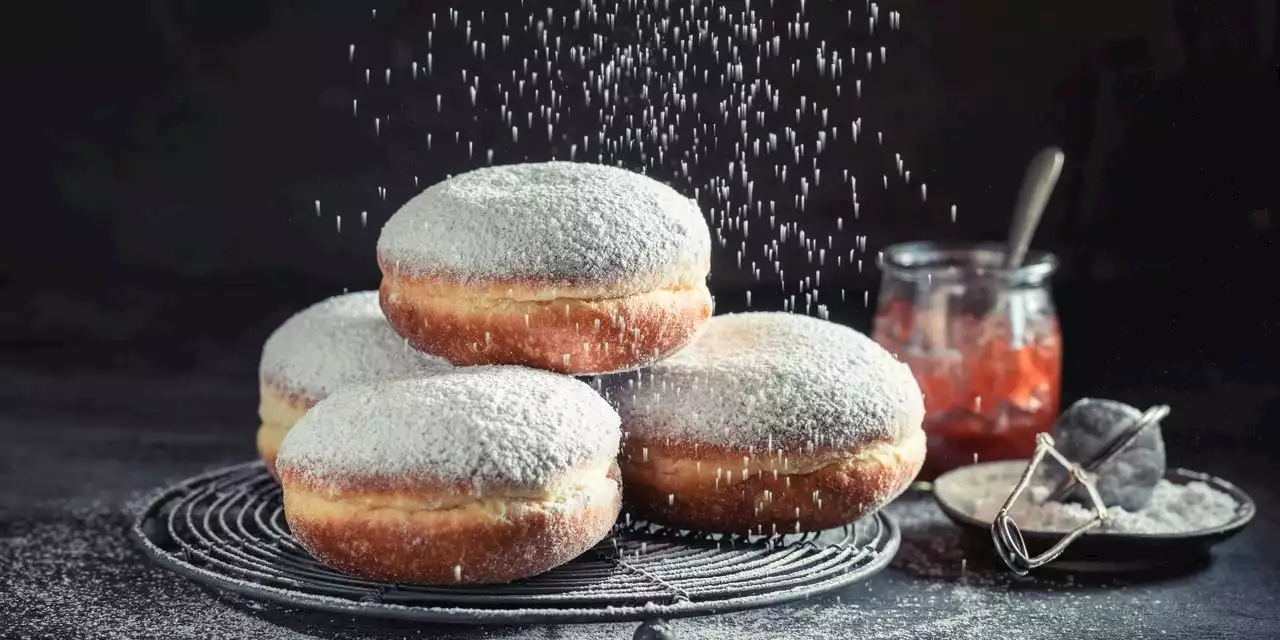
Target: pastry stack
[444, 429]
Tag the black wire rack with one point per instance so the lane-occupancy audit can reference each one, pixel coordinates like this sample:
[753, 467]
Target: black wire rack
[226, 529]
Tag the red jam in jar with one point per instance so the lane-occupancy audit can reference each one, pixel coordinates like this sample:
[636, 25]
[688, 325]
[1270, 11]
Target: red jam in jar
[983, 342]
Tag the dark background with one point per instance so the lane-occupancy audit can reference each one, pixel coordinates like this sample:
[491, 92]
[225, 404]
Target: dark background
[166, 157]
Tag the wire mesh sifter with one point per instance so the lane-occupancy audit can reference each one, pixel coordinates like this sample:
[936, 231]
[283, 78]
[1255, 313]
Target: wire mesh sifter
[226, 529]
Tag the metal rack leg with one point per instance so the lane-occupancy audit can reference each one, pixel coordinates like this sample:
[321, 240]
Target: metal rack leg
[654, 629]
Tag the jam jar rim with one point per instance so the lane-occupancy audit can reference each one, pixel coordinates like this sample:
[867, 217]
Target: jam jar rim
[1036, 269]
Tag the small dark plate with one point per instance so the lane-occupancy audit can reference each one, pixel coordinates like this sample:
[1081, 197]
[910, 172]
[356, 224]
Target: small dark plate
[1105, 551]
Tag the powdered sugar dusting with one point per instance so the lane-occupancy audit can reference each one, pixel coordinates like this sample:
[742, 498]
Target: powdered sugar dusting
[508, 425]
[79, 576]
[340, 342]
[556, 223]
[757, 380]
[1173, 508]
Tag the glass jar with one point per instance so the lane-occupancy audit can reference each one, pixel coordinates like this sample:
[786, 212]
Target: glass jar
[983, 342]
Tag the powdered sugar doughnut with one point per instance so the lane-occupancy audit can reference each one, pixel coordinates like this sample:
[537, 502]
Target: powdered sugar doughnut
[484, 474]
[569, 267]
[337, 343]
[769, 422]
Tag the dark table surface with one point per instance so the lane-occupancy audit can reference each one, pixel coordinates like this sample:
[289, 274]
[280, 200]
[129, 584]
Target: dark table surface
[92, 422]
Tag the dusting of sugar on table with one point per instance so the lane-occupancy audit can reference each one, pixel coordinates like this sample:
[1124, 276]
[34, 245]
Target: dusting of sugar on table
[77, 575]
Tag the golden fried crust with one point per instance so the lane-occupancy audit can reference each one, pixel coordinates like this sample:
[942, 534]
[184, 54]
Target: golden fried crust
[566, 331]
[279, 411]
[703, 488]
[403, 538]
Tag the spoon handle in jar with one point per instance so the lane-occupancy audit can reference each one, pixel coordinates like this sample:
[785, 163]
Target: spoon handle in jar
[1037, 186]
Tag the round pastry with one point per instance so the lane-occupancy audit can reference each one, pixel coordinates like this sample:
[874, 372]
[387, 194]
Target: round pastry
[484, 474]
[769, 423]
[333, 344]
[568, 267]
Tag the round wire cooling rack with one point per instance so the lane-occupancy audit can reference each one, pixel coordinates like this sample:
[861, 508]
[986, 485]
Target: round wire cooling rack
[226, 529]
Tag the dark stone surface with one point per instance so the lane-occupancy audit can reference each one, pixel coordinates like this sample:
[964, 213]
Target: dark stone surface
[94, 419]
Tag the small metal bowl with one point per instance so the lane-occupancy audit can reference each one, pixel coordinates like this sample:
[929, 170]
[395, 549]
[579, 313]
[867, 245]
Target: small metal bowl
[1104, 551]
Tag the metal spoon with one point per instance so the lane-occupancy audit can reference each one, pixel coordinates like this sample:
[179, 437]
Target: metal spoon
[1037, 186]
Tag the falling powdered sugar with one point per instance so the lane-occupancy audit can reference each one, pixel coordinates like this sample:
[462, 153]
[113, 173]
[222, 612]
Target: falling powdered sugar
[554, 224]
[340, 342]
[772, 380]
[504, 425]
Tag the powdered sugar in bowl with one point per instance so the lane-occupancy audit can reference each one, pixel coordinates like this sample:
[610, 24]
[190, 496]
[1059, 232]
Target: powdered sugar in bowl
[1189, 513]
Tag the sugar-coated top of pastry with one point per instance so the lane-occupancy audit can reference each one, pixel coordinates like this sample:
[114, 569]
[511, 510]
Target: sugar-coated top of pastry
[551, 224]
[475, 426]
[337, 343]
[772, 381]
